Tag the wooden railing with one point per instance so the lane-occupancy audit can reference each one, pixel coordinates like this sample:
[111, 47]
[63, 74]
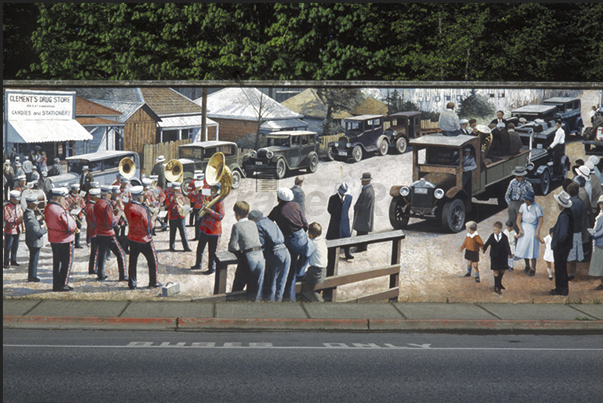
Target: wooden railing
[333, 279]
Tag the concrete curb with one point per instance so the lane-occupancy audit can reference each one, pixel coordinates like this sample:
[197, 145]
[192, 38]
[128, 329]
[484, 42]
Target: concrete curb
[235, 324]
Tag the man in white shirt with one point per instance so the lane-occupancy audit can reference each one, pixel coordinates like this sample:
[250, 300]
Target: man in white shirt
[449, 121]
[557, 147]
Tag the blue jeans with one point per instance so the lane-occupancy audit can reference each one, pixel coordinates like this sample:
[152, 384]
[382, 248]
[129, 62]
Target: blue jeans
[256, 265]
[277, 269]
[452, 133]
[300, 249]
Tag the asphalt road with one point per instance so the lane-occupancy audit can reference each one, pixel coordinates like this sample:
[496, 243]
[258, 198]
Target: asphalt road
[90, 366]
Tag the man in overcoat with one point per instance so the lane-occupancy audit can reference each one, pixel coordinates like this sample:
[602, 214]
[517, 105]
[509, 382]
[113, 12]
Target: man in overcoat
[364, 209]
[339, 209]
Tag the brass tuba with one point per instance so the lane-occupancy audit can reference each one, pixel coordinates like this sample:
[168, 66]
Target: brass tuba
[485, 136]
[127, 167]
[174, 171]
[217, 172]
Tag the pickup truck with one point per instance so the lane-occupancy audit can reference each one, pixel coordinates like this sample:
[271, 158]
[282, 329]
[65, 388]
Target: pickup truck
[436, 191]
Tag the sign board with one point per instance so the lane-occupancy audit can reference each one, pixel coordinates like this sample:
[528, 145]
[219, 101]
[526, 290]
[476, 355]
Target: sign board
[39, 105]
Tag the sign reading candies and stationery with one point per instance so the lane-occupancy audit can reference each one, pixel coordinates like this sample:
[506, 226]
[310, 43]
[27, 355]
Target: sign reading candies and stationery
[39, 105]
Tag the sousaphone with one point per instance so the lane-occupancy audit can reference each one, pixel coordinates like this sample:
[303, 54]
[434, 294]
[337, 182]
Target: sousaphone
[174, 171]
[217, 172]
[127, 167]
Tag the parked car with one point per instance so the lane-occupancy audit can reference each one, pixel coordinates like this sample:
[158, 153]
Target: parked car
[285, 151]
[103, 165]
[195, 156]
[540, 124]
[569, 110]
[401, 127]
[363, 134]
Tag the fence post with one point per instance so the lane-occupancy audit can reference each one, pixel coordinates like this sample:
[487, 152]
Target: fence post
[220, 279]
[332, 266]
[394, 279]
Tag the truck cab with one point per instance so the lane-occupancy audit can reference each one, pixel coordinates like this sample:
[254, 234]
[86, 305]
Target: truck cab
[363, 134]
[570, 112]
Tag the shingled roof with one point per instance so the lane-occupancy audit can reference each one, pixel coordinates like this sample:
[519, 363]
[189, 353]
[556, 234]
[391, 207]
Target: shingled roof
[168, 102]
[86, 107]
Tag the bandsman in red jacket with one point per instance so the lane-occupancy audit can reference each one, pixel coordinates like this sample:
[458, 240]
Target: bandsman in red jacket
[160, 195]
[174, 202]
[77, 207]
[118, 209]
[93, 194]
[105, 220]
[140, 235]
[13, 223]
[61, 230]
[210, 230]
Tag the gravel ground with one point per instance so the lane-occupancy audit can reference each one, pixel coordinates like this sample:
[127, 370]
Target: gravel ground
[432, 266]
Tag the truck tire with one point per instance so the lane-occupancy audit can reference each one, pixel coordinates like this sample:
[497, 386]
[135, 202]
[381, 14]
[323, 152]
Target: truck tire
[357, 154]
[313, 166]
[545, 182]
[383, 147]
[236, 178]
[401, 145]
[453, 215]
[398, 218]
[281, 168]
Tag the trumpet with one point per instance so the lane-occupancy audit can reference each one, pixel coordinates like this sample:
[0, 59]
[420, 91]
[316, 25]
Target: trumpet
[39, 215]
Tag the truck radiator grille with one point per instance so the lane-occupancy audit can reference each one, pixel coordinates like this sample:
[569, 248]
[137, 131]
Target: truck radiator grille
[422, 200]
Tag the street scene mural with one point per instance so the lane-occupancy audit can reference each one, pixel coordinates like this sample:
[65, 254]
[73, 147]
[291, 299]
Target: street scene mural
[177, 177]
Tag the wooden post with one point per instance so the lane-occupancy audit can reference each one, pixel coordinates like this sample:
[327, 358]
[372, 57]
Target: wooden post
[394, 279]
[204, 115]
[220, 280]
[333, 264]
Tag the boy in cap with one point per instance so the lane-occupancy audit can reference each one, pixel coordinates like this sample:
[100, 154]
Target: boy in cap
[13, 222]
[61, 230]
[34, 234]
[472, 244]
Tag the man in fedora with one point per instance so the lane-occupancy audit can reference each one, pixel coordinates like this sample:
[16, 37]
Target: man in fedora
[339, 209]
[364, 209]
[517, 189]
[159, 170]
[86, 179]
[562, 242]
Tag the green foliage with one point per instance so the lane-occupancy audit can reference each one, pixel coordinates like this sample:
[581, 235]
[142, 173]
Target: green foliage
[304, 41]
[475, 106]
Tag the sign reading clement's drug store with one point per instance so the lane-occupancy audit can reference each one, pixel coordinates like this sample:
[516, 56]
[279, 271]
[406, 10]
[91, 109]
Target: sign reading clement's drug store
[39, 105]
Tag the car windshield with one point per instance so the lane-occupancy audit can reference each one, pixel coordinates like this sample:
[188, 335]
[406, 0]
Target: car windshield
[75, 166]
[191, 152]
[278, 141]
[353, 125]
[442, 156]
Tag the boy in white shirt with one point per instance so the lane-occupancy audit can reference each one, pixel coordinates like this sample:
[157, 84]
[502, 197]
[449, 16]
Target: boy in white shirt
[511, 234]
[316, 264]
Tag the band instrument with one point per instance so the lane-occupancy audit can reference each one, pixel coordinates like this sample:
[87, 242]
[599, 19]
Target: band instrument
[216, 172]
[174, 171]
[127, 167]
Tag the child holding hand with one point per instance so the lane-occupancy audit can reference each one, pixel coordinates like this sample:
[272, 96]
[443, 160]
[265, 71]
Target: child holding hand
[473, 243]
[499, 252]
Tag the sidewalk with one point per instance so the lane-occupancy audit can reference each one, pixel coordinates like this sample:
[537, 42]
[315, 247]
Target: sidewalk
[299, 316]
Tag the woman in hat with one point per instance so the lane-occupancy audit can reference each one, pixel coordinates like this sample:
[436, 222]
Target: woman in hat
[561, 244]
[596, 260]
[529, 222]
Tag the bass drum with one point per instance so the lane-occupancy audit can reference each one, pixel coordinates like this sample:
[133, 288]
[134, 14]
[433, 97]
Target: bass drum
[39, 193]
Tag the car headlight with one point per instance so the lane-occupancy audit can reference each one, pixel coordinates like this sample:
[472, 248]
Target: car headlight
[530, 166]
[269, 154]
[439, 193]
[336, 145]
[253, 154]
[348, 145]
[404, 191]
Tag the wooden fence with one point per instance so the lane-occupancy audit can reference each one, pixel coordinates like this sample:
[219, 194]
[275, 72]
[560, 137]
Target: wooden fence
[324, 142]
[333, 279]
[168, 149]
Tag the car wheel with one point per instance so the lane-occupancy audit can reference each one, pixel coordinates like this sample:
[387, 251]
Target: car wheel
[313, 163]
[236, 179]
[330, 156]
[281, 168]
[453, 215]
[383, 147]
[401, 145]
[545, 182]
[357, 154]
[398, 217]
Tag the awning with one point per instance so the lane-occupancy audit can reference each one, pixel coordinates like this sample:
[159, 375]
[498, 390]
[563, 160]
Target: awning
[32, 131]
[183, 122]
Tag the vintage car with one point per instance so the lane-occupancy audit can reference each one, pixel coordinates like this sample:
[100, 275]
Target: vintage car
[540, 126]
[103, 165]
[401, 127]
[195, 156]
[363, 134]
[570, 112]
[436, 191]
[285, 151]
[593, 136]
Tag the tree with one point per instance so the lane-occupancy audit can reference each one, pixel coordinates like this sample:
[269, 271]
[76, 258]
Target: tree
[475, 106]
[338, 100]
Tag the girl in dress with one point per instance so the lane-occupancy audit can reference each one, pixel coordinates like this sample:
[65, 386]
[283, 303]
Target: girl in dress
[548, 253]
